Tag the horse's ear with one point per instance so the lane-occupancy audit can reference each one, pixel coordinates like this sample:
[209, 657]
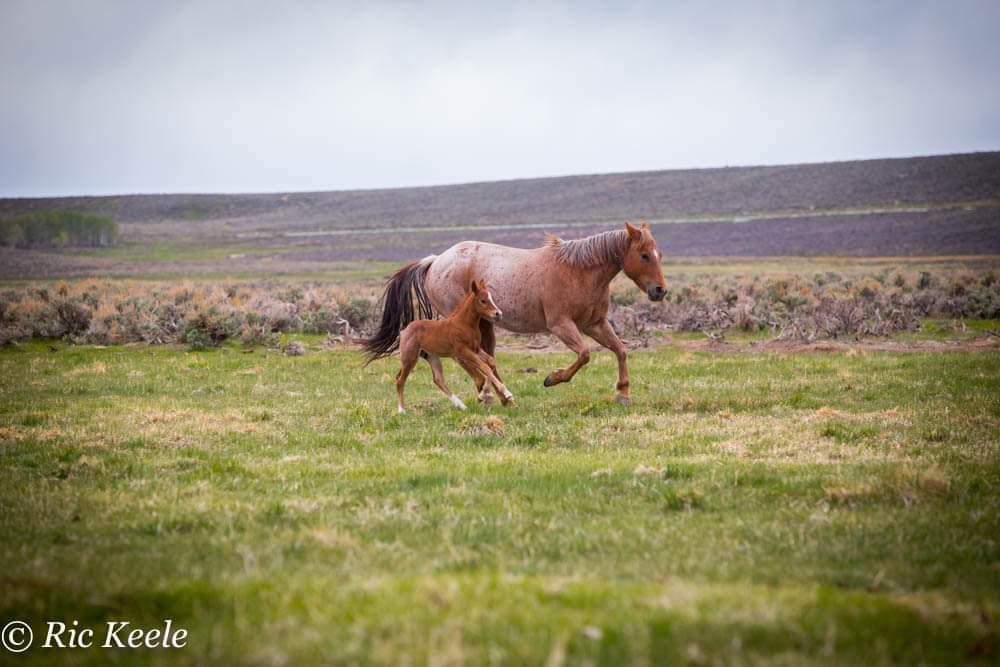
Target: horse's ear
[644, 225]
[474, 287]
[634, 233]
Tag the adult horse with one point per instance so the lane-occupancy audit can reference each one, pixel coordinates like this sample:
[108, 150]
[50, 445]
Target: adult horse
[561, 288]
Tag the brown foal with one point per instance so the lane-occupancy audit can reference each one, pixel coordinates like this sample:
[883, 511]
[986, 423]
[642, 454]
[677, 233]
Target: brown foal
[459, 337]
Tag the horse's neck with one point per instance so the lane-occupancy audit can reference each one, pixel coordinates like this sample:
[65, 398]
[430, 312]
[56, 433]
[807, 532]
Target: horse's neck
[466, 315]
[599, 277]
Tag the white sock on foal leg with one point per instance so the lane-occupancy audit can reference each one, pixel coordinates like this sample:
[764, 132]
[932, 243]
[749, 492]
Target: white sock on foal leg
[457, 402]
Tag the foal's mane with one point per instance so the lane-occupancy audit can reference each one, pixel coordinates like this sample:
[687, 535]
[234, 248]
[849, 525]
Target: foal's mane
[603, 248]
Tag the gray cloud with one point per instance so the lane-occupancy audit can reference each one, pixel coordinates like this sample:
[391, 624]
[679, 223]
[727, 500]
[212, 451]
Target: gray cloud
[112, 97]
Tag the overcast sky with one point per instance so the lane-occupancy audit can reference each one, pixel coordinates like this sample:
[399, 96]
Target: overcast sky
[120, 97]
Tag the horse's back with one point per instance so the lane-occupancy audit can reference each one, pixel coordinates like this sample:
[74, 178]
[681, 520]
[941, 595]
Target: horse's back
[513, 276]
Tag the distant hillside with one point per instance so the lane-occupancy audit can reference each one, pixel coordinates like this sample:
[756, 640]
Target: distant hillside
[596, 198]
[929, 206]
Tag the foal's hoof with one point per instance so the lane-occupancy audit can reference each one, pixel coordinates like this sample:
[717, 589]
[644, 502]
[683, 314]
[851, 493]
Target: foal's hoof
[624, 401]
[486, 399]
[548, 380]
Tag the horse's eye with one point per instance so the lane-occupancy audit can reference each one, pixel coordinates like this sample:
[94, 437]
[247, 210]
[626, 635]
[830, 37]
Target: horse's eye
[645, 257]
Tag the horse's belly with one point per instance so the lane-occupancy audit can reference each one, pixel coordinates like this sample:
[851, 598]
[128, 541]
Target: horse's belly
[511, 275]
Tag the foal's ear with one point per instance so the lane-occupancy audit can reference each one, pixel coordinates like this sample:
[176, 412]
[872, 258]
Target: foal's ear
[474, 287]
[634, 233]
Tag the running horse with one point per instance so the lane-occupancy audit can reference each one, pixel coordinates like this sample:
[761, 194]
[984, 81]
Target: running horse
[561, 288]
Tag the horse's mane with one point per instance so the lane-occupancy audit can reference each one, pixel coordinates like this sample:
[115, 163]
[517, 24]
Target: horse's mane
[591, 251]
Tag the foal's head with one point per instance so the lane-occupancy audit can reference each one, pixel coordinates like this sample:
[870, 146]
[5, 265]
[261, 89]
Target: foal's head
[642, 262]
[482, 301]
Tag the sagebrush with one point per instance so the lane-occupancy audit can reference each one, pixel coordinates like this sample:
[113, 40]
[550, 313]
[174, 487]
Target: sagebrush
[205, 314]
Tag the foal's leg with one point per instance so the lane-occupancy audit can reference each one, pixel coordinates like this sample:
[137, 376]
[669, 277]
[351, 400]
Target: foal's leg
[566, 331]
[409, 354]
[438, 371]
[491, 362]
[482, 386]
[477, 361]
[489, 344]
[605, 335]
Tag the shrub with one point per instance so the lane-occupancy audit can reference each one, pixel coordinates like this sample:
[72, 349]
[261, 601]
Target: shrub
[254, 313]
[357, 312]
[73, 316]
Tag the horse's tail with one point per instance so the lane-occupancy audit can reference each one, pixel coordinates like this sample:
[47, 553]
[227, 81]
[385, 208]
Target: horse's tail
[403, 301]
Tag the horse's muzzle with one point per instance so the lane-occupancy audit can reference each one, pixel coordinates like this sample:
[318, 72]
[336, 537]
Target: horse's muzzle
[655, 292]
[497, 316]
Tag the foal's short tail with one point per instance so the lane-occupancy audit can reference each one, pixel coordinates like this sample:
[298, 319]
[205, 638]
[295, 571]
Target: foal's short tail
[403, 301]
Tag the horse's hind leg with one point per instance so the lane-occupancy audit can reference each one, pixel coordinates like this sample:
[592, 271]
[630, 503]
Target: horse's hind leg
[438, 372]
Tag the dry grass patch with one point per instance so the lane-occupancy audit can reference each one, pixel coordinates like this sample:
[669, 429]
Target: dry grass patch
[491, 425]
[786, 437]
[96, 368]
[182, 427]
[852, 495]
[907, 485]
[333, 538]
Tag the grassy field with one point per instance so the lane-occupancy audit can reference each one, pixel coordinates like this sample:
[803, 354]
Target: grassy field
[748, 508]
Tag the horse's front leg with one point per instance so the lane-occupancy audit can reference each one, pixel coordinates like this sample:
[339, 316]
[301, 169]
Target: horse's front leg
[566, 331]
[605, 335]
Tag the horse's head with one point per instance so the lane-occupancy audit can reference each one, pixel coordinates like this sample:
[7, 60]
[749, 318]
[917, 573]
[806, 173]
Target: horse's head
[642, 262]
[482, 301]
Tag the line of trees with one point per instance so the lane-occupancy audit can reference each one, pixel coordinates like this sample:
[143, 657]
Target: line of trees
[57, 228]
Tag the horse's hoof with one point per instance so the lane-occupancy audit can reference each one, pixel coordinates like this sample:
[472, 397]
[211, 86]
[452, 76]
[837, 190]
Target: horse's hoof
[548, 380]
[486, 399]
[624, 401]
[457, 402]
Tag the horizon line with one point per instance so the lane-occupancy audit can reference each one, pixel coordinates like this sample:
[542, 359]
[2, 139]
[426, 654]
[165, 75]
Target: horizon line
[459, 184]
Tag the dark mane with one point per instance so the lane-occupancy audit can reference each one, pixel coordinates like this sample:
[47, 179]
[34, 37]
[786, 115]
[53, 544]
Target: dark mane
[603, 248]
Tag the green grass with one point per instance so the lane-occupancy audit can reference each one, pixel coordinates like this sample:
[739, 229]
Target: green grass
[931, 329]
[786, 509]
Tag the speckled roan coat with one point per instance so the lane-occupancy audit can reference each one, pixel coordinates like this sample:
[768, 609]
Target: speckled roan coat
[561, 288]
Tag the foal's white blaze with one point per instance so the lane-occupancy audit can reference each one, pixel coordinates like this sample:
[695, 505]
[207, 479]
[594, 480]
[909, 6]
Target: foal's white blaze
[499, 315]
[457, 402]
